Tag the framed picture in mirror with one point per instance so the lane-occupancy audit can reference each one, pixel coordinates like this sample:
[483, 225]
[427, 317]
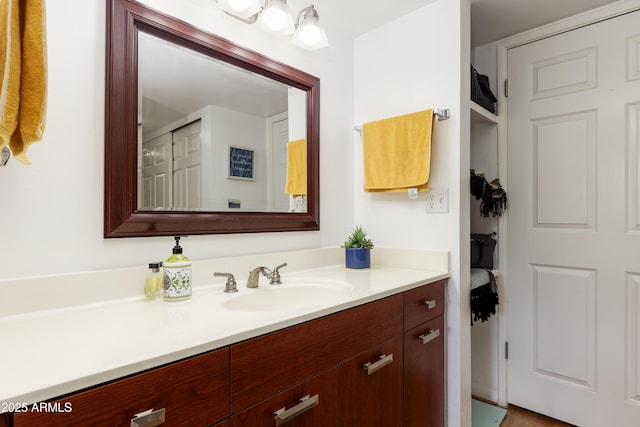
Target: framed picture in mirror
[240, 163]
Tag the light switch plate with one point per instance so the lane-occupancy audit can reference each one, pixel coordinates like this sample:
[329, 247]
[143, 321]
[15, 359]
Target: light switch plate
[437, 200]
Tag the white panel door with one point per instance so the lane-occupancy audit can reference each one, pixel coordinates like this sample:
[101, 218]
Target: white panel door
[187, 164]
[574, 225]
[156, 173]
[279, 139]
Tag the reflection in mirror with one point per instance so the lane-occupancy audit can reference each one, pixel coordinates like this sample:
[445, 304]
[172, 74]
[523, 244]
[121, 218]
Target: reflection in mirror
[236, 185]
[212, 136]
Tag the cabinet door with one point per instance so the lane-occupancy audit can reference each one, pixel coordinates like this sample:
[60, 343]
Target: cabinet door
[371, 387]
[424, 375]
[266, 365]
[314, 403]
[193, 392]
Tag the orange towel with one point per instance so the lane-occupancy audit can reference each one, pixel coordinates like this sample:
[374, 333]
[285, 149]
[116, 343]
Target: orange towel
[296, 168]
[23, 67]
[397, 152]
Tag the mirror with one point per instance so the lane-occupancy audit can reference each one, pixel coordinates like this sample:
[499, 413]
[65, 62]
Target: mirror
[213, 136]
[201, 134]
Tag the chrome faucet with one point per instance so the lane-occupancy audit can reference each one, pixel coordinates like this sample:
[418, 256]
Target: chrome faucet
[275, 277]
[254, 275]
[230, 285]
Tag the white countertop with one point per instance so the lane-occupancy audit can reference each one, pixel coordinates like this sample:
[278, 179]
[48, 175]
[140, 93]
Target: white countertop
[50, 352]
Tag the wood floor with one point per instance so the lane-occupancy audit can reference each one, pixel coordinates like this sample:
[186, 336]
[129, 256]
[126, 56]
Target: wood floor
[519, 417]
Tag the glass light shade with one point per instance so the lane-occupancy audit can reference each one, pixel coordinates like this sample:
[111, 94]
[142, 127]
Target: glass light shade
[240, 8]
[310, 34]
[276, 18]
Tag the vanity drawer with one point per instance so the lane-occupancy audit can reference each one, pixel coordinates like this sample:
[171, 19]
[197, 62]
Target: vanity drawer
[423, 304]
[263, 366]
[194, 391]
[314, 403]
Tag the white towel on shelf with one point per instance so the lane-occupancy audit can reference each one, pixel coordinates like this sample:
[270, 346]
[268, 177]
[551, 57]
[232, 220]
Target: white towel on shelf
[479, 277]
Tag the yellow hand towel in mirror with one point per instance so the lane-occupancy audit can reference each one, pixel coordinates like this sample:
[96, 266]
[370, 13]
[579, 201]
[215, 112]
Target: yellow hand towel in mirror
[297, 168]
[397, 152]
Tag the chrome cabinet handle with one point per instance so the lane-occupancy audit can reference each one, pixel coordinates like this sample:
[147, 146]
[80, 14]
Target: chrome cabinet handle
[431, 304]
[429, 336]
[148, 418]
[382, 361]
[283, 415]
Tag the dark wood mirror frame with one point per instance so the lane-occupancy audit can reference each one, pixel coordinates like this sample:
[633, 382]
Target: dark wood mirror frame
[121, 216]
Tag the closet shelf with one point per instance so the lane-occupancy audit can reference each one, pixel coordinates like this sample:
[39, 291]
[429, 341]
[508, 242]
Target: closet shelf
[479, 115]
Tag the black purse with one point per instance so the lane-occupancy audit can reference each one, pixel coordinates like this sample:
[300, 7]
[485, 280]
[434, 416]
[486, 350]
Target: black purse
[482, 249]
[481, 91]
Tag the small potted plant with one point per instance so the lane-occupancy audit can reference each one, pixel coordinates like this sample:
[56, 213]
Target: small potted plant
[358, 249]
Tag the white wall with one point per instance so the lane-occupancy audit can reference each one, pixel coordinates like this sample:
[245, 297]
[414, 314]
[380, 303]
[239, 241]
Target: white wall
[232, 128]
[416, 62]
[52, 211]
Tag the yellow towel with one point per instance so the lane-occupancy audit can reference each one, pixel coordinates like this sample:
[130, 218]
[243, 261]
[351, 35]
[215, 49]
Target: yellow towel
[296, 168]
[397, 152]
[22, 116]
[9, 69]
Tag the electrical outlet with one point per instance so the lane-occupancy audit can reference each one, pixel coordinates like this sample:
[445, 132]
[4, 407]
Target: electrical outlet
[437, 200]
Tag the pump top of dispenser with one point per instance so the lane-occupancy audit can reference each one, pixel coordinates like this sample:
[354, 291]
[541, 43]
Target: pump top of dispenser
[155, 266]
[177, 249]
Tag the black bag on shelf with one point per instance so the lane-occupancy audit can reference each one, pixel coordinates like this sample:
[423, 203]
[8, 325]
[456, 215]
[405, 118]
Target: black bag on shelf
[481, 91]
[482, 248]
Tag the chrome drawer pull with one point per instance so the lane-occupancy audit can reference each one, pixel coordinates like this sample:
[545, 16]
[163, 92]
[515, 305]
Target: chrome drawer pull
[282, 416]
[383, 361]
[431, 304]
[148, 418]
[429, 336]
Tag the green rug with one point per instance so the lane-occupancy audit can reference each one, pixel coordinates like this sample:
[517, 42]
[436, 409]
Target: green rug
[486, 415]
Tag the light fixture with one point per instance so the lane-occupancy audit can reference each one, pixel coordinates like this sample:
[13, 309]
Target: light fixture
[275, 17]
[310, 34]
[244, 9]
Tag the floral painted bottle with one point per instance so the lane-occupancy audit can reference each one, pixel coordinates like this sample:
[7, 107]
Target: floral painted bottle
[177, 275]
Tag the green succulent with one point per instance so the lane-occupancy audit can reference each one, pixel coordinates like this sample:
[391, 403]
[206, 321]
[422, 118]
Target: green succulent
[358, 239]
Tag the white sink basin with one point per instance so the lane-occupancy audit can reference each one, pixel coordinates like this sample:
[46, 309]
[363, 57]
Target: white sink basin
[288, 296]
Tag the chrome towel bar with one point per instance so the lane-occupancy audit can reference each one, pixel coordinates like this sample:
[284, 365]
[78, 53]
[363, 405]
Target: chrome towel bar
[440, 113]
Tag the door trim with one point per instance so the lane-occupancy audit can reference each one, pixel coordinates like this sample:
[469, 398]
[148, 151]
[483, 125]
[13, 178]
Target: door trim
[502, 47]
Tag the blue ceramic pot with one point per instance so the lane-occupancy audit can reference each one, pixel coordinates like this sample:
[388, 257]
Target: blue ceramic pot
[357, 257]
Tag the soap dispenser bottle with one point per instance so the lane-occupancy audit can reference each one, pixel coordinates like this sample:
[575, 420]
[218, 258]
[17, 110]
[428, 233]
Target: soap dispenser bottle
[177, 275]
[153, 286]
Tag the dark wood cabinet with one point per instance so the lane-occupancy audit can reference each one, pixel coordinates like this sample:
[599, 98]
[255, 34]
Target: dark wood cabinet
[192, 392]
[424, 362]
[380, 364]
[423, 303]
[313, 403]
[266, 365]
[371, 387]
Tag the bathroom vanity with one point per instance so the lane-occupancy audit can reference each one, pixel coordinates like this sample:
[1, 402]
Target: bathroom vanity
[373, 357]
